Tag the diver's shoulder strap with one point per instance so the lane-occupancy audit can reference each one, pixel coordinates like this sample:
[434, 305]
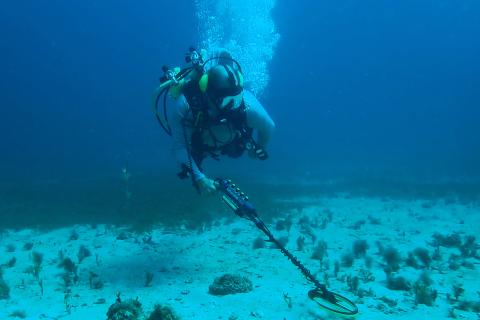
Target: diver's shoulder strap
[193, 94]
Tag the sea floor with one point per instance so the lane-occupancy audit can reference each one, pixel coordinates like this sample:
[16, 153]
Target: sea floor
[176, 267]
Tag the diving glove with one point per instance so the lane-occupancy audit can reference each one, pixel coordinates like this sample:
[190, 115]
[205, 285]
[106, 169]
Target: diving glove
[205, 186]
[258, 153]
[261, 154]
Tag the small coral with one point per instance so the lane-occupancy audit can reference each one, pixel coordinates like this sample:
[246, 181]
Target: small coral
[258, 243]
[284, 224]
[357, 225]
[320, 251]
[300, 243]
[148, 279]
[347, 260]
[374, 221]
[389, 302]
[163, 313]
[424, 294]
[464, 305]
[97, 283]
[437, 256]
[397, 283]
[392, 258]
[11, 263]
[336, 268]
[68, 265]
[454, 262]
[83, 253]
[425, 279]
[457, 291]
[230, 284]
[18, 314]
[359, 248]
[468, 264]
[37, 264]
[353, 284]
[475, 307]
[73, 235]
[4, 288]
[307, 230]
[37, 258]
[70, 274]
[450, 241]
[125, 310]
[469, 247]
[424, 256]
[366, 276]
[94, 281]
[380, 247]
[368, 262]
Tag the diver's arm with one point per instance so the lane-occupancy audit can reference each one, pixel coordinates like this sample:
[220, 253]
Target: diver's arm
[176, 114]
[259, 120]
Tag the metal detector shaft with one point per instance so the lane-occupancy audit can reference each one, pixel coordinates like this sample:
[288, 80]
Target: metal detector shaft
[239, 203]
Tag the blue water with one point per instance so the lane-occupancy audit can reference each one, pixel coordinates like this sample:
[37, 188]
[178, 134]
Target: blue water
[383, 85]
[364, 89]
[377, 112]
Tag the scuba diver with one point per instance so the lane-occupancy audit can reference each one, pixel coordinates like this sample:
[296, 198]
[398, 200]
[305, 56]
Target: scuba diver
[212, 115]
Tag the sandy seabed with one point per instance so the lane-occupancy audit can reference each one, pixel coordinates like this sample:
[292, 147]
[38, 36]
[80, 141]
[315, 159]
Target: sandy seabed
[184, 263]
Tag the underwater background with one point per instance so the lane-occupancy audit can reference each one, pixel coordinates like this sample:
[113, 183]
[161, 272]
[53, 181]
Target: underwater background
[366, 95]
[372, 184]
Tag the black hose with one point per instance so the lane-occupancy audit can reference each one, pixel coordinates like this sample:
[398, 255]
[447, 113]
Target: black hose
[164, 91]
[164, 124]
[165, 113]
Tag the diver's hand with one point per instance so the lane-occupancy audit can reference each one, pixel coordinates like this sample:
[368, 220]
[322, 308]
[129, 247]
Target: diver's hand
[206, 186]
[258, 153]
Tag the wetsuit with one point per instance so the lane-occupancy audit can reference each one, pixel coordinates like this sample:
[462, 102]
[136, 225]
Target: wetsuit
[219, 136]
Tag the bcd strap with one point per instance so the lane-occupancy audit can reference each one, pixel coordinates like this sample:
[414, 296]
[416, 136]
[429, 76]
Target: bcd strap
[198, 119]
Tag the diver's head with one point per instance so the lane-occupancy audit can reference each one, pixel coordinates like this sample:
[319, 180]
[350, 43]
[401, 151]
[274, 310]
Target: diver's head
[225, 87]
